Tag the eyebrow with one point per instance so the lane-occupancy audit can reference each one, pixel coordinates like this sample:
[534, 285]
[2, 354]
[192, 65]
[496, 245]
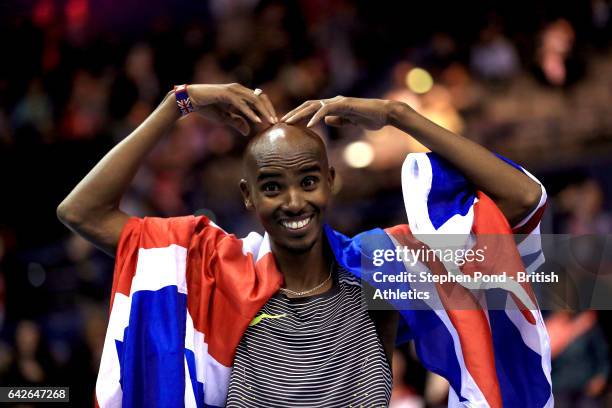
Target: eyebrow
[268, 174]
[264, 175]
[310, 169]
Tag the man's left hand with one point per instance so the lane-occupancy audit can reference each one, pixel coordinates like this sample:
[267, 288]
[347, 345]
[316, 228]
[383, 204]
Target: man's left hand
[340, 111]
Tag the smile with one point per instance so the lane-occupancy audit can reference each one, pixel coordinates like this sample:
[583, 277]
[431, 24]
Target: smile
[294, 225]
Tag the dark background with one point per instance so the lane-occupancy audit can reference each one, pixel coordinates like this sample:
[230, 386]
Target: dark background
[529, 79]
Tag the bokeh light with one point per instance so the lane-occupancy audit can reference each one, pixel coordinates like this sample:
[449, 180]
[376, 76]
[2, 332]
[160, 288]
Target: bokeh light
[358, 154]
[36, 274]
[419, 81]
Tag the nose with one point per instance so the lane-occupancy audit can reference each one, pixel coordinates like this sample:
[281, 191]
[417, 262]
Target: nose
[294, 201]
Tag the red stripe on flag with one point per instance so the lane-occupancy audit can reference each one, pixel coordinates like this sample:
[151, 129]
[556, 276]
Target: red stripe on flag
[146, 233]
[225, 289]
[126, 258]
[469, 321]
[163, 232]
[533, 221]
[493, 231]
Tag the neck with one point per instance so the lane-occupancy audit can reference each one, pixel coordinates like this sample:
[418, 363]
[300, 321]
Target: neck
[303, 270]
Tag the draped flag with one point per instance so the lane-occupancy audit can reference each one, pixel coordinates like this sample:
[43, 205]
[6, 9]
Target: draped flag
[497, 357]
[184, 292]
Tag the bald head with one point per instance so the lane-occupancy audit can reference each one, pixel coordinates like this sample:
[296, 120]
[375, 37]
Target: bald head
[288, 182]
[283, 143]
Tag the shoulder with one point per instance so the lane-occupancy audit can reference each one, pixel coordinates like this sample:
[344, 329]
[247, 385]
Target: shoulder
[184, 231]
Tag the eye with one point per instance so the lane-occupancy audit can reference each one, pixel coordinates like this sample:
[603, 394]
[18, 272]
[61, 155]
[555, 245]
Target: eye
[270, 187]
[310, 182]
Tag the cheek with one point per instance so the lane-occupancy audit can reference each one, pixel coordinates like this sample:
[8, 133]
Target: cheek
[321, 198]
[264, 208]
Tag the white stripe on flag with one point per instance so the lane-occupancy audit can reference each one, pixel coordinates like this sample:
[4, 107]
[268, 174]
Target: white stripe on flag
[416, 185]
[160, 267]
[469, 388]
[108, 388]
[251, 244]
[190, 401]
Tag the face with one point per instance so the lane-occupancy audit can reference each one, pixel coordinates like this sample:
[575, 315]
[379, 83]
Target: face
[289, 185]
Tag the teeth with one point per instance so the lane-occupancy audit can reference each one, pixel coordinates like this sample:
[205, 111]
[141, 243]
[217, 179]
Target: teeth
[296, 224]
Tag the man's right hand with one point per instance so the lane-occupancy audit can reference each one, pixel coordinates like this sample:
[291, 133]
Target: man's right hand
[232, 104]
[92, 208]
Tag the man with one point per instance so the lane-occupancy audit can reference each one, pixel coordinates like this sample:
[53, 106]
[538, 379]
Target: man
[320, 346]
[288, 183]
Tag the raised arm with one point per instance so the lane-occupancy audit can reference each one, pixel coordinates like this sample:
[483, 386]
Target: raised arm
[515, 193]
[92, 208]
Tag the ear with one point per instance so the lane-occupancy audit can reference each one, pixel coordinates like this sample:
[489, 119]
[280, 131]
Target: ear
[246, 194]
[331, 178]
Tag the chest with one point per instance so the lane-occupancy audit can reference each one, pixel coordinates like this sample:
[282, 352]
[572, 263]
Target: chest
[314, 351]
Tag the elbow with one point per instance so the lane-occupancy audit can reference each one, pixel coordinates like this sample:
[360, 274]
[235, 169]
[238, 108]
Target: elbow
[523, 204]
[69, 215]
[527, 203]
[532, 197]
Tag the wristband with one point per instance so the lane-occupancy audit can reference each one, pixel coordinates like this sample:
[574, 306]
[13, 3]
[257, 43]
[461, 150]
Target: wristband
[182, 99]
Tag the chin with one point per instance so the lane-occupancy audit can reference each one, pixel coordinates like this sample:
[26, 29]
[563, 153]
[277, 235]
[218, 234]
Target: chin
[299, 245]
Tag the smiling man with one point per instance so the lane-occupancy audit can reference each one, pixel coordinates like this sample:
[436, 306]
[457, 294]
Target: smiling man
[201, 317]
[318, 345]
[288, 182]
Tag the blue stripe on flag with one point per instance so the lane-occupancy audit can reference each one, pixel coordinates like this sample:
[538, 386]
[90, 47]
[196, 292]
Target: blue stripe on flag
[519, 369]
[152, 355]
[434, 343]
[435, 346]
[119, 346]
[197, 387]
[510, 162]
[528, 259]
[450, 192]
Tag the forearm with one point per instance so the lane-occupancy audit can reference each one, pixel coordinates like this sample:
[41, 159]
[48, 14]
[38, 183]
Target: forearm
[92, 208]
[514, 192]
[98, 195]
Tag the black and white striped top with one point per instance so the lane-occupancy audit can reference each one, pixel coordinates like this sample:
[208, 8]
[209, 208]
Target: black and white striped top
[319, 351]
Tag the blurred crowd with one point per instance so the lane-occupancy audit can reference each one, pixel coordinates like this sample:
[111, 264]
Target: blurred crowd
[531, 80]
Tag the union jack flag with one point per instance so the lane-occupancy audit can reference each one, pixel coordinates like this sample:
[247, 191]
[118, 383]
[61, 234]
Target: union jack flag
[184, 292]
[182, 99]
[185, 106]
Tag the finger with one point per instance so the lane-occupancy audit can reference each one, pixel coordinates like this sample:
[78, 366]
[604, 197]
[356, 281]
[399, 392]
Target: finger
[337, 121]
[261, 106]
[256, 101]
[321, 113]
[245, 109]
[239, 123]
[304, 113]
[269, 105]
[295, 110]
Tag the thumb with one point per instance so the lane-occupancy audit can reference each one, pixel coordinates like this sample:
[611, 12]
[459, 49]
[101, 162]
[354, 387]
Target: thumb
[239, 123]
[336, 121]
